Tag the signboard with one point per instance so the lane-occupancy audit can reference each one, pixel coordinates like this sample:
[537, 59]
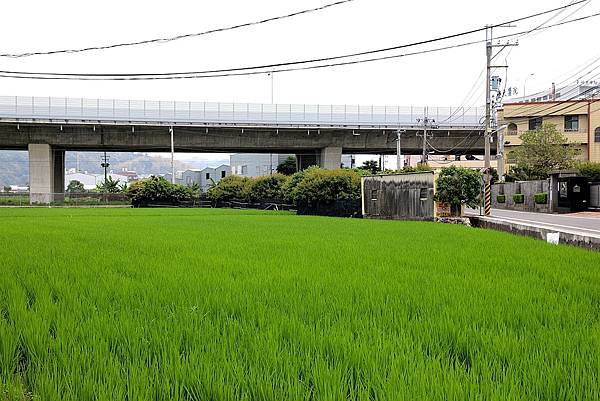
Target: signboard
[442, 209]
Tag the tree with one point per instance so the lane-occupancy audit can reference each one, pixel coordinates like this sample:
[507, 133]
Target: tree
[517, 173]
[75, 186]
[590, 169]
[288, 166]
[229, 188]
[267, 187]
[458, 186]
[372, 166]
[543, 150]
[6, 188]
[111, 186]
[157, 189]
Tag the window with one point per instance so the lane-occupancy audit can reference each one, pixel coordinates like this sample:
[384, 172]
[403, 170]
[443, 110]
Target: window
[373, 194]
[423, 193]
[571, 123]
[223, 173]
[535, 123]
[208, 176]
[597, 135]
[512, 129]
[244, 170]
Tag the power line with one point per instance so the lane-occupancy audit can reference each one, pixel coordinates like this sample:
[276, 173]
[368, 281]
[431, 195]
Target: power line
[279, 67]
[174, 38]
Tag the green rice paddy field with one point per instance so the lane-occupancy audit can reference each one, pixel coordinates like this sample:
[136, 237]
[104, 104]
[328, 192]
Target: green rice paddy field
[124, 304]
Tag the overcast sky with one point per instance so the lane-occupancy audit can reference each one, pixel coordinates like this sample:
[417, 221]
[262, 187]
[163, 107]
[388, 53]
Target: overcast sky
[437, 79]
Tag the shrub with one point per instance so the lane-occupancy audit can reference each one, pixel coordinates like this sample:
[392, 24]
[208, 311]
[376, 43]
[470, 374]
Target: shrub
[318, 186]
[501, 198]
[228, 188]
[268, 187]
[458, 186]
[518, 198]
[541, 198]
[289, 189]
[157, 189]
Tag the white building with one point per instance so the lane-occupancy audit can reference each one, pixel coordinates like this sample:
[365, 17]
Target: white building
[90, 181]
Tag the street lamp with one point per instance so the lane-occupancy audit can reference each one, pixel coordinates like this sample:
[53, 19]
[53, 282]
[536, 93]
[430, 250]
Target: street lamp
[525, 83]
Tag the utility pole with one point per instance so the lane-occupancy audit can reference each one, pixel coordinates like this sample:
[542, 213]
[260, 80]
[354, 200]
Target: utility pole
[271, 74]
[489, 47]
[172, 156]
[427, 123]
[105, 165]
[399, 151]
[488, 116]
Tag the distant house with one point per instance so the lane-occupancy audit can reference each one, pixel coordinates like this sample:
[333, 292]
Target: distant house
[262, 164]
[256, 164]
[205, 177]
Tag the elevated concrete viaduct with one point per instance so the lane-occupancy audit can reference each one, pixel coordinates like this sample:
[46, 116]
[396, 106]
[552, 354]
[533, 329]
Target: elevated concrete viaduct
[47, 127]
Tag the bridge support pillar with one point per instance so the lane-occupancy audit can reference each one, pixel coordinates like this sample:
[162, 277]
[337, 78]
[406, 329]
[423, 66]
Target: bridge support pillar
[46, 173]
[331, 158]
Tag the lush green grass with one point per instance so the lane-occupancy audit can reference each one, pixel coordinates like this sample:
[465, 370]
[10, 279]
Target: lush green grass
[222, 305]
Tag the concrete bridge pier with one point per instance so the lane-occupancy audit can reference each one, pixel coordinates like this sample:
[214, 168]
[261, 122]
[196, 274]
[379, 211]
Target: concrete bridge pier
[328, 158]
[331, 158]
[46, 173]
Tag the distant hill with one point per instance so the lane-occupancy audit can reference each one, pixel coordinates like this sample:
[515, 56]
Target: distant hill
[14, 165]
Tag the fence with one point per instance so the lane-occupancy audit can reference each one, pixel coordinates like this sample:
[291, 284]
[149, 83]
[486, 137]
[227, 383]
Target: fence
[146, 111]
[88, 199]
[399, 196]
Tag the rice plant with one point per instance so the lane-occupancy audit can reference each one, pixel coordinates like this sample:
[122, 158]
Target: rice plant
[169, 304]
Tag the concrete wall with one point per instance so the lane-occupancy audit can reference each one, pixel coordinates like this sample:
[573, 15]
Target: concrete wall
[527, 188]
[538, 232]
[399, 196]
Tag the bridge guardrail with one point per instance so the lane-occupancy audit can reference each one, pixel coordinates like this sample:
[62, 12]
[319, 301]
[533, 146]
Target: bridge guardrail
[150, 111]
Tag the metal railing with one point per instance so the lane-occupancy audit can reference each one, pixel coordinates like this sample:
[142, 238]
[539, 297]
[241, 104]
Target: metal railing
[54, 109]
[87, 199]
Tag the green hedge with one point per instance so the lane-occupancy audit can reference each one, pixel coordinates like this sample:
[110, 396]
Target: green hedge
[311, 186]
[157, 189]
[518, 198]
[541, 198]
[501, 198]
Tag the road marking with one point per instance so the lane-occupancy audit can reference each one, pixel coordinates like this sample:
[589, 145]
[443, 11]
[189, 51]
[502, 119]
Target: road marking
[559, 216]
[548, 225]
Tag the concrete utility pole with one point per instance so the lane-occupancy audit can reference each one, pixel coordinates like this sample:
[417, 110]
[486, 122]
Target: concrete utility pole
[399, 151]
[172, 156]
[105, 164]
[271, 74]
[489, 46]
[427, 123]
[488, 115]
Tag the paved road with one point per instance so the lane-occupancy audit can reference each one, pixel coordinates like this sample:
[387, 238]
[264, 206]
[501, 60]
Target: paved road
[587, 223]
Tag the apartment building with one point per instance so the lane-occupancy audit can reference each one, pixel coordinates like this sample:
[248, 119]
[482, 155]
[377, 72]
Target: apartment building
[576, 115]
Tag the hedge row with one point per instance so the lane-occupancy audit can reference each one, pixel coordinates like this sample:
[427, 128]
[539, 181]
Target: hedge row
[311, 186]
